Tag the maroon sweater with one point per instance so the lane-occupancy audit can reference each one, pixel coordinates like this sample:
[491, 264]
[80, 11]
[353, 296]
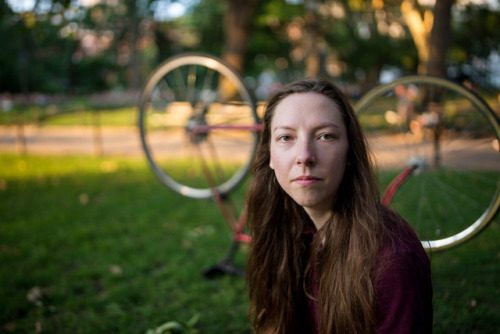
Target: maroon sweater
[403, 289]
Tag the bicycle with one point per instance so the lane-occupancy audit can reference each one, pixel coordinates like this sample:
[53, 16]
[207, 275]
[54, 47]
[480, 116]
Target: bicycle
[436, 145]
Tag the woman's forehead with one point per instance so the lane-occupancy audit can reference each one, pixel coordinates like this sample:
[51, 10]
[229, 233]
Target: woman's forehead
[306, 107]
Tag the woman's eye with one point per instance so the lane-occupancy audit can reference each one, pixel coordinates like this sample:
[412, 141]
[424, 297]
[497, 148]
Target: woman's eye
[327, 136]
[284, 138]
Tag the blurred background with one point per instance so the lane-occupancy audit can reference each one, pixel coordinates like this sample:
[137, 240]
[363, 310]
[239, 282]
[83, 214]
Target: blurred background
[73, 48]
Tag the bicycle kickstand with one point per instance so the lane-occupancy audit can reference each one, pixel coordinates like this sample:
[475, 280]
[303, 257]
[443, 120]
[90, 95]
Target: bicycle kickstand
[226, 265]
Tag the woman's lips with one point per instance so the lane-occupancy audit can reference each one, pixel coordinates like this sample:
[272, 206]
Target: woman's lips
[306, 180]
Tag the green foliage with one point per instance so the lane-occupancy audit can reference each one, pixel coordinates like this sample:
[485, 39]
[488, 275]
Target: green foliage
[278, 10]
[269, 40]
[205, 20]
[475, 38]
[76, 49]
[372, 50]
[43, 50]
[103, 69]
[11, 34]
[476, 31]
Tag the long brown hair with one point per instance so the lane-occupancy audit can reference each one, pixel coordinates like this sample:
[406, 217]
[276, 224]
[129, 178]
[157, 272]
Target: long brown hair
[280, 264]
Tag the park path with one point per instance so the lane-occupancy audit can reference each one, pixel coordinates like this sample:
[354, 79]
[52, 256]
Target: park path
[106, 141]
[73, 140]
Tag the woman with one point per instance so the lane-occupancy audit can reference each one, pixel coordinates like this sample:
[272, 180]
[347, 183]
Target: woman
[326, 256]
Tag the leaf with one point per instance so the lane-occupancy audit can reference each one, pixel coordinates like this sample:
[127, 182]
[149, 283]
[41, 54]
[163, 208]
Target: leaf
[175, 327]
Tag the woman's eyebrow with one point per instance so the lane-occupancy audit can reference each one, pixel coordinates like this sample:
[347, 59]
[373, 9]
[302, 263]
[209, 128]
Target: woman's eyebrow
[329, 125]
[283, 127]
[315, 128]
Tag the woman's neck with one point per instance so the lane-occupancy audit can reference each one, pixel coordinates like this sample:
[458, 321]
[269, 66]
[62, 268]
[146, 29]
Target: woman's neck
[319, 217]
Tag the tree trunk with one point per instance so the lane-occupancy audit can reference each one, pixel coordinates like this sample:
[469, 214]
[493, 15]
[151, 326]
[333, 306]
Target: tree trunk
[420, 28]
[133, 75]
[314, 47]
[439, 38]
[238, 21]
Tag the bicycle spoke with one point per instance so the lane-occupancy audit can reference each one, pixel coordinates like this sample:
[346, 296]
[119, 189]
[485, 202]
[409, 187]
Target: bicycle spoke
[164, 88]
[207, 84]
[179, 79]
[191, 81]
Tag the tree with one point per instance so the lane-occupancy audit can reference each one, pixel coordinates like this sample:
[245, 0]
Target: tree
[37, 58]
[313, 41]
[362, 37]
[238, 23]
[420, 25]
[439, 38]
[475, 40]
[204, 24]
[131, 36]
[431, 33]
[47, 49]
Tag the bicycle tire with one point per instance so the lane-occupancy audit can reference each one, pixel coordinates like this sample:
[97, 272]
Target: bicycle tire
[184, 94]
[452, 136]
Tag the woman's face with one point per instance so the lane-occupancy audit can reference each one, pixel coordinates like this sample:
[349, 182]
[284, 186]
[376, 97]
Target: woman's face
[309, 147]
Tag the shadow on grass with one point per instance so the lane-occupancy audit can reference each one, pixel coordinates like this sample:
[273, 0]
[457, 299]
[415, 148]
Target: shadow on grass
[94, 245]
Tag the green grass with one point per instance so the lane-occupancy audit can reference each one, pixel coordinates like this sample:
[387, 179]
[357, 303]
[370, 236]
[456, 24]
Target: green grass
[110, 250]
[99, 246]
[105, 117]
[71, 116]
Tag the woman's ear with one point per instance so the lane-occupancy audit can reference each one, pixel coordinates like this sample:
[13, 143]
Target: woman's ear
[271, 165]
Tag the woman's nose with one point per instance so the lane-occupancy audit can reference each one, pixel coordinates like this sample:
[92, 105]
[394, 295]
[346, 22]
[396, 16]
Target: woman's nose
[305, 153]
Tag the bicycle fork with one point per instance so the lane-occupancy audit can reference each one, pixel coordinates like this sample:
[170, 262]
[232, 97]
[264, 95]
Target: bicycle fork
[229, 213]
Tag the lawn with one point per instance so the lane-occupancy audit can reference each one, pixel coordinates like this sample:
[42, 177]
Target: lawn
[98, 245]
[123, 116]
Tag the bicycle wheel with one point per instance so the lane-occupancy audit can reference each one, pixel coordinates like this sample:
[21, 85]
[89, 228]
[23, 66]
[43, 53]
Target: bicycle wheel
[198, 125]
[451, 137]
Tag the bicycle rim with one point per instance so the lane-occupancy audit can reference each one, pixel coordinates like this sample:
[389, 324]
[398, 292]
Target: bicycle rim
[452, 136]
[196, 121]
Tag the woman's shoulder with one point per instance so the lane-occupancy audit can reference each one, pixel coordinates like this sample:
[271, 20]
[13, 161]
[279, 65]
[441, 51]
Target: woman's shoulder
[403, 283]
[399, 237]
